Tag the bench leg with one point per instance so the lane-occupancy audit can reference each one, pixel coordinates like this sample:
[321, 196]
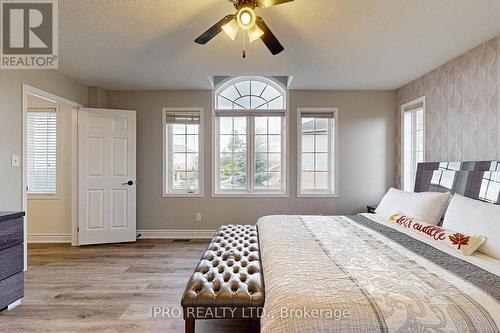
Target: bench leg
[189, 326]
[256, 325]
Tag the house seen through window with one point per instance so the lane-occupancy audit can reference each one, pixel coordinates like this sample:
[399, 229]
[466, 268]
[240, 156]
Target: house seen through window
[317, 152]
[182, 135]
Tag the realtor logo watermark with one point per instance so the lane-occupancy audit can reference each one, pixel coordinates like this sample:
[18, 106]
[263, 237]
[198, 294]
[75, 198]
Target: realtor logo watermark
[29, 34]
[227, 312]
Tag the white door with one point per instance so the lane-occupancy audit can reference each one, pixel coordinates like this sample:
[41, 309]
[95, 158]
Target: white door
[106, 176]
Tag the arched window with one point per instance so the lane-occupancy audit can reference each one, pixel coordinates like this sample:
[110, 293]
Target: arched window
[250, 126]
[250, 93]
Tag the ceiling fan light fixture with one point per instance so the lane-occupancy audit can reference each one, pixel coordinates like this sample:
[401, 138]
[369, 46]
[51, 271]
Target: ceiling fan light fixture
[231, 29]
[254, 33]
[246, 18]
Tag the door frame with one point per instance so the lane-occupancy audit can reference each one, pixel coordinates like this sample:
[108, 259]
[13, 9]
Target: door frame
[30, 90]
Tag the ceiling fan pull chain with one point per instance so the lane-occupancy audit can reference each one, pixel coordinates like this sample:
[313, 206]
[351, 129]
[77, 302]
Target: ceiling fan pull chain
[244, 46]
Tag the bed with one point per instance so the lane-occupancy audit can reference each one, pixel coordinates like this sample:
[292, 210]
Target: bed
[363, 273]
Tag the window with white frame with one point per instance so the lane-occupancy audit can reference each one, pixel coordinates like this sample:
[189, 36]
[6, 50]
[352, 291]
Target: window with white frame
[42, 152]
[317, 152]
[183, 167]
[250, 152]
[413, 141]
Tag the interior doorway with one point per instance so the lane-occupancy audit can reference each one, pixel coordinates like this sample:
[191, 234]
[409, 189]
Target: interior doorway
[49, 168]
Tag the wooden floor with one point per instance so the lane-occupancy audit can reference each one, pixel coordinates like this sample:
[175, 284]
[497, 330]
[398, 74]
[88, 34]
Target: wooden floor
[108, 288]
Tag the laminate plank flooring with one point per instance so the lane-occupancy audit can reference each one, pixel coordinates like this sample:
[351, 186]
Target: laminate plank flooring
[108, 288]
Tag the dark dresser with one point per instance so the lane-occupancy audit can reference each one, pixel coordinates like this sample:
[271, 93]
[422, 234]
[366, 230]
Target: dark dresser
[11, 258]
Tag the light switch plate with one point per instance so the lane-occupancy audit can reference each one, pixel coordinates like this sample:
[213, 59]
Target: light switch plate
[15, 160]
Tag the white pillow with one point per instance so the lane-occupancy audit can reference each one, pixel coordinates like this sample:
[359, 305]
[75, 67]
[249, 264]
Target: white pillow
[427, 206]
[476, 217]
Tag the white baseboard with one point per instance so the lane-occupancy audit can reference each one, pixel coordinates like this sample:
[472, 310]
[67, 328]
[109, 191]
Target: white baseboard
[49, 238]
[145, 234]
[175, 234]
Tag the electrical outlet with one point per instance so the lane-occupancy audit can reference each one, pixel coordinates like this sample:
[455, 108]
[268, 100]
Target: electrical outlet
[198, 217]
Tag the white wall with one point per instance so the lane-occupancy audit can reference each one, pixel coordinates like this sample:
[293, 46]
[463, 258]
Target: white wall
[11, 82]
[367, 145]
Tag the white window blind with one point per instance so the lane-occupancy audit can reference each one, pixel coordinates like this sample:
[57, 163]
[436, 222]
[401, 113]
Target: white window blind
[185, 118]
[42, 151]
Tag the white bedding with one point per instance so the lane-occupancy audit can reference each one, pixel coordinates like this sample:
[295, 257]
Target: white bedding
[479, 259]
[388, 282]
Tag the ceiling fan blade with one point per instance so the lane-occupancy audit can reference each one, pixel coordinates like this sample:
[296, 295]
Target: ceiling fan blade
[272, 43]
[270, 3]
[214, 30]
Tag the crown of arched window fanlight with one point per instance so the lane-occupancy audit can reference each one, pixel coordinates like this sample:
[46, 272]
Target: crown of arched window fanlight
[250, 93]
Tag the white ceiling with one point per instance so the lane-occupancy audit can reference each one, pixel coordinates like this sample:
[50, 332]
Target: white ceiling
[329, 44]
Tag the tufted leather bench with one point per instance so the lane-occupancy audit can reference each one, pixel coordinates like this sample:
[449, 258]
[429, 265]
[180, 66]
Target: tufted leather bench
[228, 282]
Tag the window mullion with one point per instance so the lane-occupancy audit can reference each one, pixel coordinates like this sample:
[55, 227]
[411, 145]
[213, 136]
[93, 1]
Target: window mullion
[315, 169]
[170, 155]
[414, 147]
[233, 137]
[186, 158]
[217, 154]
[268, 153]
[300, 152]
[329, 155]
[333, 152]
[251, 154]
[283, 156]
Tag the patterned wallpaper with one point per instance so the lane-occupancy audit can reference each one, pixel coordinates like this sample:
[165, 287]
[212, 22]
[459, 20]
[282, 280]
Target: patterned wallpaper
[463, 107]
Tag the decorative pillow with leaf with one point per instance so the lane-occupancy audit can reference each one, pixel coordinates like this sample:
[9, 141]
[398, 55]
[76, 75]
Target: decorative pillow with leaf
[464, 243]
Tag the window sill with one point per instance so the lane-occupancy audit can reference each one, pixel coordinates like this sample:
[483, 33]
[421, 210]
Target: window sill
[43, 197]
[317, 195]
[250, 195]
[183, 195]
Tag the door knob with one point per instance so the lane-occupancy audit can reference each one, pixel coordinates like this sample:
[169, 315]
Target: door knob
[129, 183]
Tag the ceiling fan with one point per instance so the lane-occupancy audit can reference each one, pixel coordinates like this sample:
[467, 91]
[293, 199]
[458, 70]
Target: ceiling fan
[246, 19]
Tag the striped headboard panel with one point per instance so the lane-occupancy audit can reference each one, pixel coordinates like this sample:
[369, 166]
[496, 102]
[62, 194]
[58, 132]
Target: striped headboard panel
[477, 180]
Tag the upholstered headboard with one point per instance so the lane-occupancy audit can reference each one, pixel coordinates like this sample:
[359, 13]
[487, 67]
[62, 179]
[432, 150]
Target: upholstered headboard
[476, 180]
